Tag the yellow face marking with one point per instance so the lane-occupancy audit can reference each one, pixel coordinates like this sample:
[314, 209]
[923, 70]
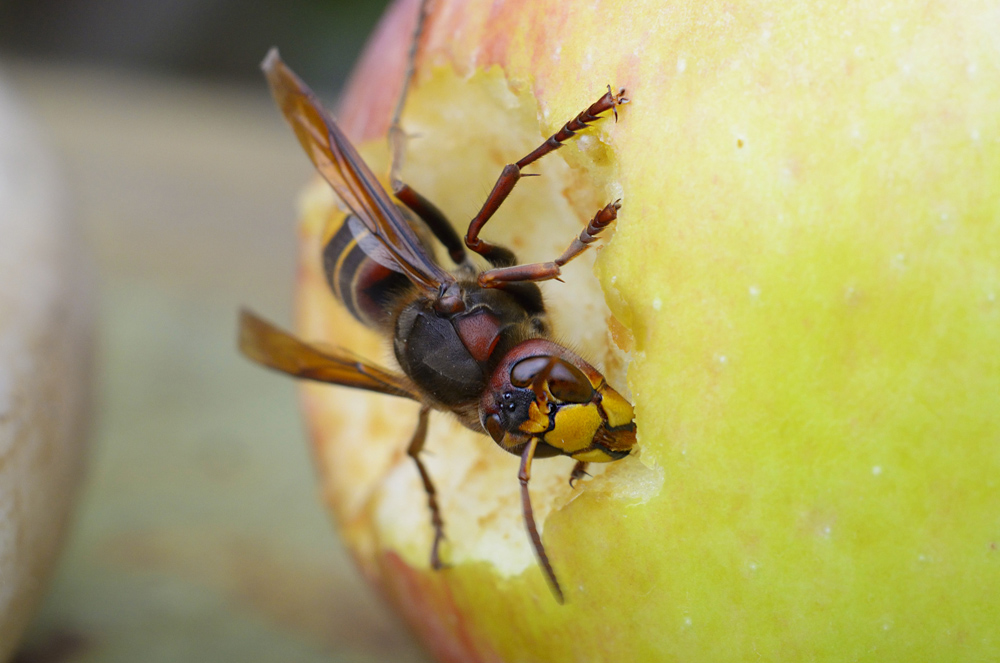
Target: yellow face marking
[618, 409]
[575, 427]
[536, 423]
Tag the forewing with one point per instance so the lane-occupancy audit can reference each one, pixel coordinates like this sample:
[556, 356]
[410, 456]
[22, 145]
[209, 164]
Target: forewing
[275, 348]
[340, 165]
[373, 247]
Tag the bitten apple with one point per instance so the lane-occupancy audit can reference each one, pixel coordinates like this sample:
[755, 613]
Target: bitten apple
[801, 296]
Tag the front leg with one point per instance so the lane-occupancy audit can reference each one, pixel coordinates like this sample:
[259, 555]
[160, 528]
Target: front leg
[497, 255]
[543, 271]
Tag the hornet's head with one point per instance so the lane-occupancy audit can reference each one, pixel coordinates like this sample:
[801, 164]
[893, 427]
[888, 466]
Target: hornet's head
[543, 390]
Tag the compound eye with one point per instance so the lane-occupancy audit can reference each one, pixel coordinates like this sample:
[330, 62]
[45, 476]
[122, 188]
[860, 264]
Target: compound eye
[524, 372]
[565, 381]
[569, 384]
[494, 428]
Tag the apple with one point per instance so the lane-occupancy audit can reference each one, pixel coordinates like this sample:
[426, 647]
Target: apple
[801, 296]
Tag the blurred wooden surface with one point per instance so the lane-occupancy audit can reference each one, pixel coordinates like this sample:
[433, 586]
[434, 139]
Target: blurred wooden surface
[200, 535]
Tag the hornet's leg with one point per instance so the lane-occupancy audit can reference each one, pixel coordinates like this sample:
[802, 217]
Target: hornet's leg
[435, 220]
[397, 137]
[497, 255]
[426, 210]
[543, 271]
[579, 471]
[529, 518]
[416, 446]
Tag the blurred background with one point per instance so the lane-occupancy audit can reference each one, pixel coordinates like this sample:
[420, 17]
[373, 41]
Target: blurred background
[199, 534]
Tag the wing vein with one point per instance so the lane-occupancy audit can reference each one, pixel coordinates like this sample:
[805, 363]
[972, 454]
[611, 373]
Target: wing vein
[343, 168]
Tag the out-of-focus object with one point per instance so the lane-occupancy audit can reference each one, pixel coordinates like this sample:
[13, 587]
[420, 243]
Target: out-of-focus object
[46, 347]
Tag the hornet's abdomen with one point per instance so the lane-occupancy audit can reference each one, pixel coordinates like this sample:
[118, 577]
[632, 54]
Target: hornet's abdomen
[366, 288]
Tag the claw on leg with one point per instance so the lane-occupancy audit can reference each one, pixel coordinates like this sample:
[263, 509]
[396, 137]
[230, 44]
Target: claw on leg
[617, 100]
[579, 471]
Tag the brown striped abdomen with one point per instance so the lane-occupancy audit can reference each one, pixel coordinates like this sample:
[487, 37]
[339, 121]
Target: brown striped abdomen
[367, 289]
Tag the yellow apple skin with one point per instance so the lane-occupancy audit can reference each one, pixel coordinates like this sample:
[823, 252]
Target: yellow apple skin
[806, 272]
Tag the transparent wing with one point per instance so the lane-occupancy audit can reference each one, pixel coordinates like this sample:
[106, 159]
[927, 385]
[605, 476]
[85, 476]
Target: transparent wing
[275, 348]
[340, 165]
